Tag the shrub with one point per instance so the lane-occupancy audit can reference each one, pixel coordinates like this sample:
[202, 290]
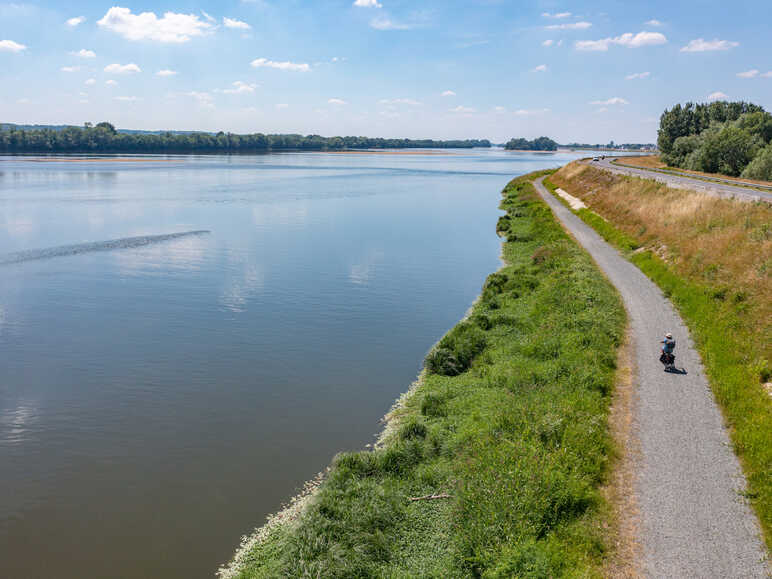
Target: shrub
[761, 165]
[456, 351]
[412, 429]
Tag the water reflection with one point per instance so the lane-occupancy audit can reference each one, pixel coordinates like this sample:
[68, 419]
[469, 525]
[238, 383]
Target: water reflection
[16, 421]
[201, 379]
[363, 272]
[244, 279]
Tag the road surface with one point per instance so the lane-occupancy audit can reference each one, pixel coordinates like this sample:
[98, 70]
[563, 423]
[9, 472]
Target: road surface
[694, 520]
[681, 181]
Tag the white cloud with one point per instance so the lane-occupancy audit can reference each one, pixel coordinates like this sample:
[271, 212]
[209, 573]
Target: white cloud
[653, 22]
[718, 95]
[601, 110]
[11, 46]
[204, 98]
[83, 53]
[399, 102]
[570, 26]
[22, 101]
[336, 102]
[638, 75]
[111, 82]
[239, 87]
[748, 73]
[208, 17]
[367, 3]
[549, 42]
[293, 66]
[70, 69]
[529, 112]
[384, 23]
[233, 23]
[171, 28]
[166, 72]
[90, 81]
[127, 99]
[73, 22]
[627, 39]
[282, 106]
[540, 68]
[767, 74]
[556, 15]
[499, 109]
[115, 68]
[702, 45]
[611, 101]
[448, 93]
[461, 109]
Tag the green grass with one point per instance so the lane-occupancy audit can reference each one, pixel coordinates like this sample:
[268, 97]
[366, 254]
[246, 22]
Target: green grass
[729, 341]
[509, 418]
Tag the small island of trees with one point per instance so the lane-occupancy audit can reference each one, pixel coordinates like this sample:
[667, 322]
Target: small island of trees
[538, 144]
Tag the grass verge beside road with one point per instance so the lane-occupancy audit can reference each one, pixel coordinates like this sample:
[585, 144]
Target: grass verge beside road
[713, 258]
[491, 466]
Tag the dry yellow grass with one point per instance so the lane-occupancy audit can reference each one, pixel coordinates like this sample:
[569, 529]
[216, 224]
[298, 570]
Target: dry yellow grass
[646, 161]
[654, 162]
[720, 242]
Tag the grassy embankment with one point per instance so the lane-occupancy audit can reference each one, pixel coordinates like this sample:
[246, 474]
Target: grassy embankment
[508, 422]
[713, 258]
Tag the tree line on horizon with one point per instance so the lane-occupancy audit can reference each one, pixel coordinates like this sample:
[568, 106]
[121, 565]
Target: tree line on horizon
[732, 138]
[538, 144]
[104, 138]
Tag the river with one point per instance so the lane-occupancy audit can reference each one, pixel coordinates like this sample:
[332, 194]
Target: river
[161, 394]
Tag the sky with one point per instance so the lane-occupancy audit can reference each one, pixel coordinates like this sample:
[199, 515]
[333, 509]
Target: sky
[574, 71]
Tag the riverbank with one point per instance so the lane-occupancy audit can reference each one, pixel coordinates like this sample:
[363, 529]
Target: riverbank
[492, 464]
[711, 257]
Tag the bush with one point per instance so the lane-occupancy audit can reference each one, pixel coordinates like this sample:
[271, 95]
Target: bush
[412, 429]
[456, 351]
[761, 166]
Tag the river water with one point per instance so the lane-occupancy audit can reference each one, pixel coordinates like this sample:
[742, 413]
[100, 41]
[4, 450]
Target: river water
[160, 394]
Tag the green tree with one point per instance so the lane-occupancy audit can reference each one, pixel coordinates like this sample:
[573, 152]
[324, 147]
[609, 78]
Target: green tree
[761, 165]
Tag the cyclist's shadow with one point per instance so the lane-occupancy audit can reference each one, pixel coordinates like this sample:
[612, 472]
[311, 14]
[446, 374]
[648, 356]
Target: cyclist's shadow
[676, 371]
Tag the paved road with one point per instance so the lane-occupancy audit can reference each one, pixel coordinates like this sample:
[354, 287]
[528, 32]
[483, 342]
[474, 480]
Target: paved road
[694, 521]
[722, 189]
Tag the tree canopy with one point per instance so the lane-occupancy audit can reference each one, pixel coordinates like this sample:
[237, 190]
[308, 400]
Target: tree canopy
[538, 144]
[718, 137]
[104, 138]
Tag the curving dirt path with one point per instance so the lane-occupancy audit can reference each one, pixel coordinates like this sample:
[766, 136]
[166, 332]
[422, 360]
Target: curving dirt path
[694, 521]
[717, 187]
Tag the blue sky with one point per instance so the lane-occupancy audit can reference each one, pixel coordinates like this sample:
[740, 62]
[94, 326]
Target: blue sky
[575, 71]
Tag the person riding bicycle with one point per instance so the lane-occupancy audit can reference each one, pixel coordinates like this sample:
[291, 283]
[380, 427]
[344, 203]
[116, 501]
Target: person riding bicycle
[668, 347]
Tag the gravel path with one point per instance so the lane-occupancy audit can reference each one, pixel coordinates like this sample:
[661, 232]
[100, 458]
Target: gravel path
[722, 189]
[688, 481]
